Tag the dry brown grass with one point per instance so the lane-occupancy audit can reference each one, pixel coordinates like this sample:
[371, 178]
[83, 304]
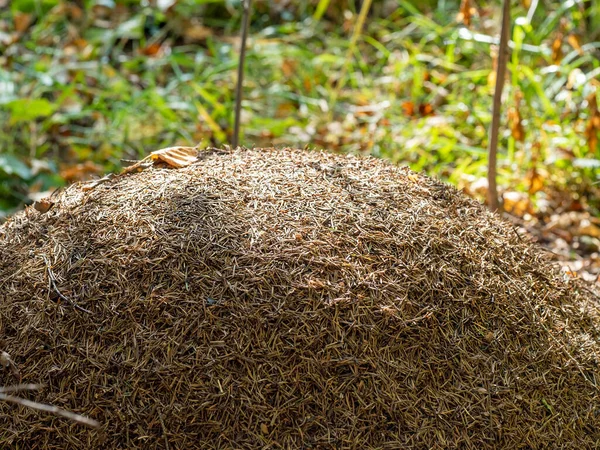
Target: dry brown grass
[291, 299]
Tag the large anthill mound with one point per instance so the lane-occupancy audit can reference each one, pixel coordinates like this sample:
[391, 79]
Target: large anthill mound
[288, 299]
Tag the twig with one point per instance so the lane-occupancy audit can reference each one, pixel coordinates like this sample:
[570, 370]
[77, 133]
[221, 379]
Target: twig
[94, 183]
[52, 280]
[141, 164]
[43, 407]
[494, 128]
[240, 74]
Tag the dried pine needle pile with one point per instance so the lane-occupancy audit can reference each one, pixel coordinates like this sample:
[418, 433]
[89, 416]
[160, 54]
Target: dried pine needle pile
[290, 299]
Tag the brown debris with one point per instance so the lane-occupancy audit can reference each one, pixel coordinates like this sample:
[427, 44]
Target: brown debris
[291, 299]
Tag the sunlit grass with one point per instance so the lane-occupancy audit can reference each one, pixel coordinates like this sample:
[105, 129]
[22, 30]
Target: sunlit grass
[414, 88]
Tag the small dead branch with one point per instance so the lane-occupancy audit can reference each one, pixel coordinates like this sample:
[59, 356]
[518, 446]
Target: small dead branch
[247, 4]
[497, 105]
[4, 396]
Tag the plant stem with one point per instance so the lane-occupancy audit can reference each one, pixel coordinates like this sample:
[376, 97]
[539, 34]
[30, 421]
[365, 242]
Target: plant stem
[494, 128]
[240, 74]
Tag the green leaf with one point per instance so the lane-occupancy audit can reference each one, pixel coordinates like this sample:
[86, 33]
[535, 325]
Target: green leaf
[33, 6]
[11, 165]
[321, 8]
[25, 110]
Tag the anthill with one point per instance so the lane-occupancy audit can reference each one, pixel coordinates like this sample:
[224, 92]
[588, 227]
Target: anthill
[290, 299]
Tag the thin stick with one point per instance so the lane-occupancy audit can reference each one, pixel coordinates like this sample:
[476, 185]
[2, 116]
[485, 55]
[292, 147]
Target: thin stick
[240, 74]
[494, 128]
[50, 409]
[40, 406]
[53, 285]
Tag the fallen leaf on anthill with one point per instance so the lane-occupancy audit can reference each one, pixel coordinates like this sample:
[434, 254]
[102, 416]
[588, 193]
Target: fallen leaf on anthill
[43, 205]
[176, 156]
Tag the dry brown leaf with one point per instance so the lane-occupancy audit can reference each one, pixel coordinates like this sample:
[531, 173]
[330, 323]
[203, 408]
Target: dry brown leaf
[412, 110]
[409, 108]
[307, 83]
[284, 109]
[534, 180]
[517, 203]
[22, 21]
[154, 49]
[289, 67]
[176, 156]
[557, 53]
[264, 428]
[43, 205]
[574, 41]
[465, 13]
[516, 127]
[514, 119]
[425, 109]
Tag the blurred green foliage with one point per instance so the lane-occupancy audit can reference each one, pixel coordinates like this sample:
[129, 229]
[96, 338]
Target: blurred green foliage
[86, 84]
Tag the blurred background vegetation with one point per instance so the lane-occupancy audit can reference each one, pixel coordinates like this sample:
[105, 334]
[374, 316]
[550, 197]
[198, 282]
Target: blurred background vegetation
[86, 84]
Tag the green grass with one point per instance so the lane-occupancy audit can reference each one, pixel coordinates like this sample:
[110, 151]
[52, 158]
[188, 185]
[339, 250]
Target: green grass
[81, 86]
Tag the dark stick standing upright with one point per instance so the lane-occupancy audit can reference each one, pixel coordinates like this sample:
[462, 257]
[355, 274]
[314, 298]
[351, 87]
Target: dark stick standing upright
[494, 128]
[240, 75]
